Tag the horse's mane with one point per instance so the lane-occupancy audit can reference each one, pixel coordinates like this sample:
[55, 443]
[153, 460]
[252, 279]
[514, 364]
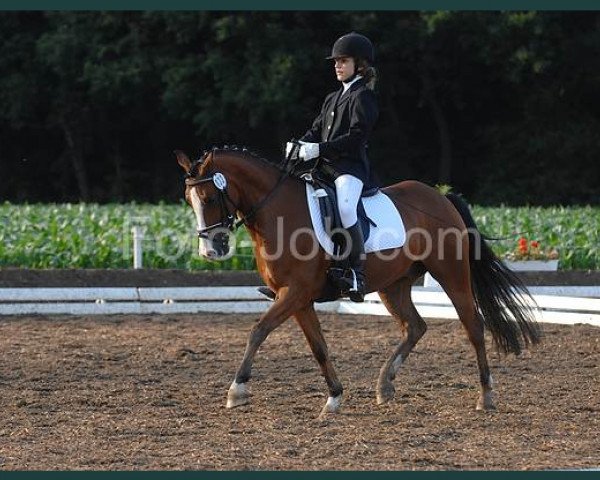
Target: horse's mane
[241, 151]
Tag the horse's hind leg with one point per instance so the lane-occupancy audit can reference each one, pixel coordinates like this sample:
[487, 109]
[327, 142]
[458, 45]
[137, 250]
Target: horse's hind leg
[463, 301]
[309, 323]
[397, 300]
[456, 282]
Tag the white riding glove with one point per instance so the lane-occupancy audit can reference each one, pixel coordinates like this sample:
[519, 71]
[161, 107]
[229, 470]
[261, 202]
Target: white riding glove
[308, 151]
[288, 148]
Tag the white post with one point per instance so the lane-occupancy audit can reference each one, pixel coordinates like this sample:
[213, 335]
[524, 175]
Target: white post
[138, 237]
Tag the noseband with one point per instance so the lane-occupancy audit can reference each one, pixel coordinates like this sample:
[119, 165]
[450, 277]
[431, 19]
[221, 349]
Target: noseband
[227, 218]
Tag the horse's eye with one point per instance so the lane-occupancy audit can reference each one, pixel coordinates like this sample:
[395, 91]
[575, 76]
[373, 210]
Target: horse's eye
[208, 201]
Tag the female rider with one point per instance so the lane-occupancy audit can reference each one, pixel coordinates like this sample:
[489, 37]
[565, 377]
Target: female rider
[340, 133]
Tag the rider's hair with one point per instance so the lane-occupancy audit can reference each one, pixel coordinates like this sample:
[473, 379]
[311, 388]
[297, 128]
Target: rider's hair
[368, 72]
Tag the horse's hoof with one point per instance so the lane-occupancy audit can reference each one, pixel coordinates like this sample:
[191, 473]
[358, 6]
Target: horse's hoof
[237, 395]
[332, 406]
[237, 402]
[485, 404]
[385, 394]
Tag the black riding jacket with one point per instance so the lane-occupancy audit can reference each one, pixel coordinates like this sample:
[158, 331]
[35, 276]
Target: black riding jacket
[343, 127]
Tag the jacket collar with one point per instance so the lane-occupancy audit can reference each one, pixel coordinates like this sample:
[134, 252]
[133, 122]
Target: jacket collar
[347, 85]
[344, 96]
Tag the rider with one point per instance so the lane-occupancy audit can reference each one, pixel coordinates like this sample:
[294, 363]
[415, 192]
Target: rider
[340, 133]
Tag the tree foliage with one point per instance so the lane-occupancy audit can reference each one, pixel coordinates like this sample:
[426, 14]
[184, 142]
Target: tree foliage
[502, 105]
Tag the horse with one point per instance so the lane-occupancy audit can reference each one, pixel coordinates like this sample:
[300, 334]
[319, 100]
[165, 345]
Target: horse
[227, 188]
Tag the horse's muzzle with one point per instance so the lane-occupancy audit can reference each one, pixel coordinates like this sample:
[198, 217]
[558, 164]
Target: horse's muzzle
[220, 243]
[215, 246]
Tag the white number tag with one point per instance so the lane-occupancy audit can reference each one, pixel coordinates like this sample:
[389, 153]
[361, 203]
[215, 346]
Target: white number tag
[219, 181]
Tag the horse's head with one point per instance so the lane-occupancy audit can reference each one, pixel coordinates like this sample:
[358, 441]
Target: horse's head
[206, 191]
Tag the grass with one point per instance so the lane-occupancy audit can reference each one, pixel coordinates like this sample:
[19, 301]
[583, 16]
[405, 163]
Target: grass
[99, 236]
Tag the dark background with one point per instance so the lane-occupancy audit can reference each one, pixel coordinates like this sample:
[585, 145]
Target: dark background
[504, 106]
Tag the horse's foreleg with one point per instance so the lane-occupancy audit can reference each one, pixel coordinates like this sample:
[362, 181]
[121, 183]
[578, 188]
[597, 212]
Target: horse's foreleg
[397, 300]
[309, 323]
[285, 305]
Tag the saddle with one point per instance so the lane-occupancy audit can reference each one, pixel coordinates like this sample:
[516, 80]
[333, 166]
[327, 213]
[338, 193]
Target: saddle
[322, 178]
[330, 216]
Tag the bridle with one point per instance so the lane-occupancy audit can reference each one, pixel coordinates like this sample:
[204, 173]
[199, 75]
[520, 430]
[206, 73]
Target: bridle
[220, 182]
[227, 218]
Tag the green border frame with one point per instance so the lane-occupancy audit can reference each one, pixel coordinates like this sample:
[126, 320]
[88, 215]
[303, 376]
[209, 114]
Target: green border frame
[298, 5]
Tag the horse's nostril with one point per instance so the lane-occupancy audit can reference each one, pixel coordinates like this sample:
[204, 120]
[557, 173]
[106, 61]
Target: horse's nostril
[210, 254]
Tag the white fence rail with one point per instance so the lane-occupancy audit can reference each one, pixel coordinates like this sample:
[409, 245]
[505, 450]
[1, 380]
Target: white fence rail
[566, 305]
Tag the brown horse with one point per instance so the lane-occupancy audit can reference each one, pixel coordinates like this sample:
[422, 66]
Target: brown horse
[226, 184]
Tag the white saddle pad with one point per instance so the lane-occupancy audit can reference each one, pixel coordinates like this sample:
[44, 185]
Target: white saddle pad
[389, 233]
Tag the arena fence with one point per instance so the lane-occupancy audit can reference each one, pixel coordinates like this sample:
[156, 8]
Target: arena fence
[564, 305]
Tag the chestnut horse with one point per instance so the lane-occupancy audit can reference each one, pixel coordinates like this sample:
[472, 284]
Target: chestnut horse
[225, 185]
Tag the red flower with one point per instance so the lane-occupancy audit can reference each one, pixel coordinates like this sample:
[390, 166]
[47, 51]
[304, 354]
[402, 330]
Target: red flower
[523, 246]
[530, 250]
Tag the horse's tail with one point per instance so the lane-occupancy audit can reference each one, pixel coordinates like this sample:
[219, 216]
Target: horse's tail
[499, 294]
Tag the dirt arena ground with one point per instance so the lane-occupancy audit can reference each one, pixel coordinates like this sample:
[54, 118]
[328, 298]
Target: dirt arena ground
[148, 392]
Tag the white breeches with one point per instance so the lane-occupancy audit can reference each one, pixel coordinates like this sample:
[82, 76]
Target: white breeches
[348, 189]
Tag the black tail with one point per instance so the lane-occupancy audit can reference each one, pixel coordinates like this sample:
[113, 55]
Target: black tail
[499, 293]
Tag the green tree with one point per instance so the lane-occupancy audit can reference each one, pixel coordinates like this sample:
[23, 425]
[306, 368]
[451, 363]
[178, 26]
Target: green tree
[502, 105]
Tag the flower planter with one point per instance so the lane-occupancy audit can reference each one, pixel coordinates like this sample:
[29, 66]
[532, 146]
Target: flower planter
[532, 265]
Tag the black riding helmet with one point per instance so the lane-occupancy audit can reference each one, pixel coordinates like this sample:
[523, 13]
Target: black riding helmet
[353, 45]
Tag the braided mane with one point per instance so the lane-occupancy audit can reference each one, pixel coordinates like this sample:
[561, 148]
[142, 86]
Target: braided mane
[241, 151]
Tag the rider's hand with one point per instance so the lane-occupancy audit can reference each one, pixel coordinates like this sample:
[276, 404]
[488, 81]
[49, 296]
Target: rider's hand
[308, 151]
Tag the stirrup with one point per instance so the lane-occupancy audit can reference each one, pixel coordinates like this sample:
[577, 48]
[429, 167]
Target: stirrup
[356, 296]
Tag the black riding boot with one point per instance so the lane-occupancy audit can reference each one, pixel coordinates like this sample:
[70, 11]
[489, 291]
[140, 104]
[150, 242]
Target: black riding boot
[356, 260]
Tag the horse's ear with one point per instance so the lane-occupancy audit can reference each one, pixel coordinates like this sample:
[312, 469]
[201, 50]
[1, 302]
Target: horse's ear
[183, 160]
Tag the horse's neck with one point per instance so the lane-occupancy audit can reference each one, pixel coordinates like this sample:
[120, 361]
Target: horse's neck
[259, 184]
[255, 180]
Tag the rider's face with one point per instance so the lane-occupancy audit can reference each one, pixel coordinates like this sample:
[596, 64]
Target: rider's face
[344, 68]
